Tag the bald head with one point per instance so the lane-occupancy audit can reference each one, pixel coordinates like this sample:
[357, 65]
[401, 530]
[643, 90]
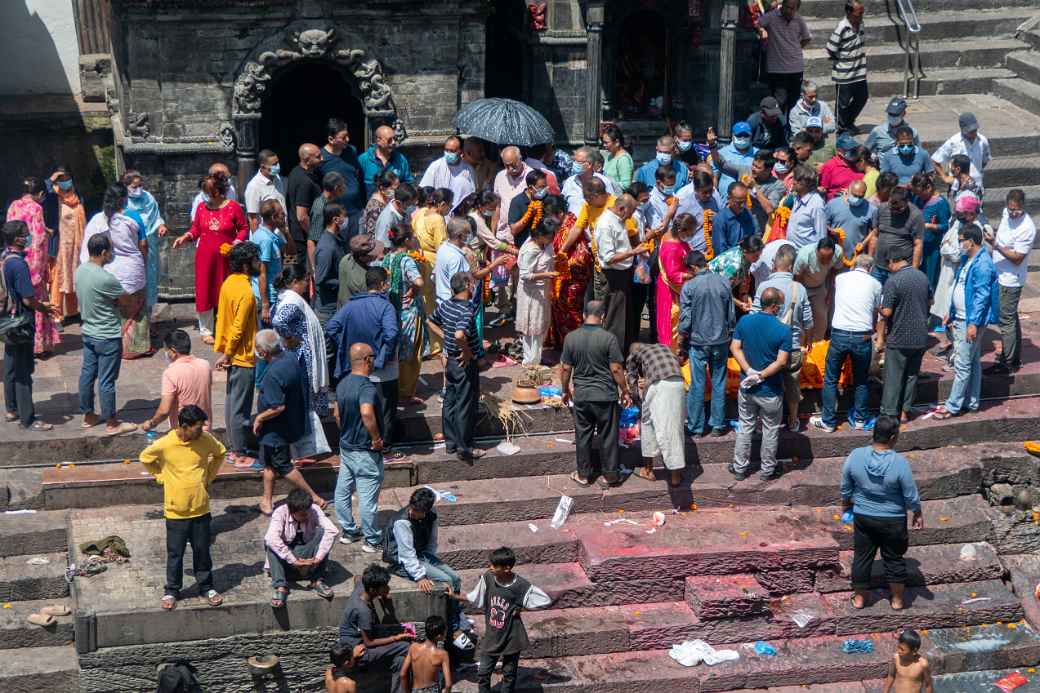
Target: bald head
[771, 301]
[625, 205]
[309, 155]
[385, 139]
[858, 188]
[511, 155]
[219, 167]
[361, 356]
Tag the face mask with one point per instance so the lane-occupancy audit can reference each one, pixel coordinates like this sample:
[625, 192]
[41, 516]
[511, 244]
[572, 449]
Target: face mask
[855, 200]
[684, 145]
[906, 149]
[276, 169]
[643, 206]
[540, 194]
[664, 158]
[741, 142]
[1015, 213]
[780, 169]
[409, 210]
[206, 198]
[135, 192]
[667, 189]
[893, 121]
[577, 168]
[65, 185]
[451, 158]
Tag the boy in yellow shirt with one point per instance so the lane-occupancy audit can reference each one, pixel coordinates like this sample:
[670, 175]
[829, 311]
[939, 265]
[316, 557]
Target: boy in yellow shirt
[185, 461]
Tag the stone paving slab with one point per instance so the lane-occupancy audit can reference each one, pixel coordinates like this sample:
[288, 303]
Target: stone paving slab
[21, 579]
[16, 632]
[39, 669]
[984, 23]
[926, 565]
[28, 533]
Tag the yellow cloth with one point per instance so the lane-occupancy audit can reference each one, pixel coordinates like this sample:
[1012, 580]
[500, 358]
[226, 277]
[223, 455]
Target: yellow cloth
[236, 321]
[811, 377]
[185, 470]
[431, 231]
[870, 179]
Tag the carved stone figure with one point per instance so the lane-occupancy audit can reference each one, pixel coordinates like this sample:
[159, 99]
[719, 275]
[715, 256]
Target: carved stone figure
[227, 136]
[313, 43]
[137, 125]
[250, 87]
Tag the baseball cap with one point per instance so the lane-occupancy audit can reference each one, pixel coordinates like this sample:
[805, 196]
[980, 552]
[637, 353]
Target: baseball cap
[846, 142]
[770, 106]
[968, 122]
[896, 106]
[741, 128]
[814, 122]
[365, 244]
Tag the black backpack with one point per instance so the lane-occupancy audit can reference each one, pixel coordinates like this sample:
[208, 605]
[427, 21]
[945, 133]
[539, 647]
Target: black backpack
[16, 327]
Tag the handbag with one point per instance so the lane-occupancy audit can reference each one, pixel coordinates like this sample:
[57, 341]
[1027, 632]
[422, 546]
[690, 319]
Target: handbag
[16, 327]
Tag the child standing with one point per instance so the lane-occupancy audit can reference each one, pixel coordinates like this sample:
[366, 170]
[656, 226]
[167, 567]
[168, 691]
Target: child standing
[426, 663]
[503, 595]
[909, 671]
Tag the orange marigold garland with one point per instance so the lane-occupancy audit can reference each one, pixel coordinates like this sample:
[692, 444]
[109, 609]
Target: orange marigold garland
[533, 216]
[225, 249]
[709, 250]
[562, 265]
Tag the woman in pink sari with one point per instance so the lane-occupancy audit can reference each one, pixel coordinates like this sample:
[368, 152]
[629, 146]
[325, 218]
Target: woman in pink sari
[27, 208]
[673, 274]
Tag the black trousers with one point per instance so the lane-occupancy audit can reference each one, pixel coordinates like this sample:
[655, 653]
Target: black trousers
[510, 663]
[179, 533]
[640, 298]
[459, 412]
[871, 533]
[596, 421]
[619, 320]
[851, 100]
[899, 380]
[18, 370]
[388, 388]
[786, 87]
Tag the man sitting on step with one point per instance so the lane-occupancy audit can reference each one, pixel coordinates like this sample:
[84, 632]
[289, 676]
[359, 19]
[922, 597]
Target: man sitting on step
[361, 618]
[298, 542]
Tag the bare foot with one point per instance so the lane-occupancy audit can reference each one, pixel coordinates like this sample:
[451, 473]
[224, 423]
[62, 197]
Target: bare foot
[896, 603]
[858, 601]
[266, 507]
[89, 420]
[675, 478]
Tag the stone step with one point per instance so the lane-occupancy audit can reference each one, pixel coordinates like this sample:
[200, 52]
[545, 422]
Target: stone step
[24, 533]
[1026, 64]
[994, 198]
[1020, 92]
[36, 669]
[16, 632]
[732, 596]
[972, 681]
[22, 581]
[926, 565]
[938, 81]
[935, 26]
[1012, 172]
[924, 8]
[937, 53]
[800, 662]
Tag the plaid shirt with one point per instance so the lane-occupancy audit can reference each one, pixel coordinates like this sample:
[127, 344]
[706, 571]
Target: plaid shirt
[652, 362]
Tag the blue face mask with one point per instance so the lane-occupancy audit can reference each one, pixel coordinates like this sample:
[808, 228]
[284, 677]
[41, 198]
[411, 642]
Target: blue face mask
[276, 170]
[643, 206]
[65, 185]
[855, 200]
[742, 142]
[577, 168]
[684, 145]
[664, 158]
[451, 158]
[906, 149]
[667, 189]
[540, 194]
[409, 210]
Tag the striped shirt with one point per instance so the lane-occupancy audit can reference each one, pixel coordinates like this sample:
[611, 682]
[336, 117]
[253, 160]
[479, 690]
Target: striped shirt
[454, 315]
[845, 48]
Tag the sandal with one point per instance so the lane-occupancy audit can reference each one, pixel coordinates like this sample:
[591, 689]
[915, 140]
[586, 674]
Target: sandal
[941, 414]
[41, 426]
[9, 417]
[645, 473]
[56, 610]
[168, 601]
[213, 598]
[322, 590]
[125, 427]
[585, 483]
[42, 620]
[280, 596]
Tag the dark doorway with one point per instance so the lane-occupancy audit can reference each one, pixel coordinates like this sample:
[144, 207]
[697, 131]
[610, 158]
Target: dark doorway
[300, 101]
[641, 73]
[504, 51]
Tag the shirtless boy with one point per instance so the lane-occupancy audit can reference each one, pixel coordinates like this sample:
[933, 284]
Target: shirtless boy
[909, 671]
[344, 659]
[425, 663]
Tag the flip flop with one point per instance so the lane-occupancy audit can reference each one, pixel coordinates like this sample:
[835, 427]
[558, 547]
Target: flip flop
[213, 598]
[579, 481]
[646, 474]
[10, 417]
[168, 602]
[56, 610]
[279, 598]
[42, 620]
[125, 427]
[322, 590]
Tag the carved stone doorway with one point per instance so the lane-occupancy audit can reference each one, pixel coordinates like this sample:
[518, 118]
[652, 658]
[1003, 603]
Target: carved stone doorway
[300, 100]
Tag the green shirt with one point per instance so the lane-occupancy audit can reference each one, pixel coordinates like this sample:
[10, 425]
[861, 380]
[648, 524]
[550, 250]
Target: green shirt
[807, 263]
[97, 291]
[619, 168]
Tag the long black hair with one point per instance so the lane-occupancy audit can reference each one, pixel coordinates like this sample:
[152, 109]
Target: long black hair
[114, 201]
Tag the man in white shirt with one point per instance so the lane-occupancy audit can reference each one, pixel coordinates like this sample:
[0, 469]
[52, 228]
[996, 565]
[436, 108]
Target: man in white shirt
[267, 184]
[1011, 247]
[857, 297]
[614, 253]
[451, 172]
[808, 221]
[970, 142]
[586, 164]
[763, 267]
[509, 182]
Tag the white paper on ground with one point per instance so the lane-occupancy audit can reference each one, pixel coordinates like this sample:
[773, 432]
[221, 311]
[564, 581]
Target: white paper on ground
[620, 521]
[507, 448]
[19, 512]
[563, 509]
[564, 440]
[533, 527]
[692, 652]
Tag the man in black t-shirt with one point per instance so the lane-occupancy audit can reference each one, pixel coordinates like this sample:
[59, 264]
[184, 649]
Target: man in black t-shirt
[281, 418]
[360, 620]
[903, 333]
[537, 189]
[593, 356]
[899, 229]
[301, 189]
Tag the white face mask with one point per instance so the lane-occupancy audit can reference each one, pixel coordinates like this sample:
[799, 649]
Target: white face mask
[894, 121]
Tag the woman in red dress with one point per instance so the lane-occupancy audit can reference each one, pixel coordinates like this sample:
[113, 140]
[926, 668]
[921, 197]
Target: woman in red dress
[218, 222]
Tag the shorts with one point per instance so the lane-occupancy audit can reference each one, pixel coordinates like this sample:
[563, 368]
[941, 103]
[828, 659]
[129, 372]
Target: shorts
[276, 457]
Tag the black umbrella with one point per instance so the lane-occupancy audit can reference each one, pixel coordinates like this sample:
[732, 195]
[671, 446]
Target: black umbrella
[504, 121]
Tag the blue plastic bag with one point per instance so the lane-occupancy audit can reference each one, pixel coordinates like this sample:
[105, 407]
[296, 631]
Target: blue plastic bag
[764, 649]
[857, 646]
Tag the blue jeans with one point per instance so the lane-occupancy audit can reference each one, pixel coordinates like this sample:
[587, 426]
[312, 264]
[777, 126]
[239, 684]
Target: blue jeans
[856, 346]
[714, 358]
[967, 370]
[101, 361]
[362, 471]
[439, 571]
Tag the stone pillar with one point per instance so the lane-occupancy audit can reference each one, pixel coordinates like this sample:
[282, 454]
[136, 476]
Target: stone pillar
[593, 66]
[727, 67]
[246, 148]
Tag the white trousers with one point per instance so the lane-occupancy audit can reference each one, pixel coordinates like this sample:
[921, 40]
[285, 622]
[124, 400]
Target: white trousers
[661, 427]
[532, 349]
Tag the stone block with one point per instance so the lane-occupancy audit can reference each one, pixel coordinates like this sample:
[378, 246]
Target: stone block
[732, 596]
[786, 581]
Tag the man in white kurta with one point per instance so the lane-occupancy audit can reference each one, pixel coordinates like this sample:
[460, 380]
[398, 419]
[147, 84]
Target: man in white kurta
[656, 368]
[451, 172]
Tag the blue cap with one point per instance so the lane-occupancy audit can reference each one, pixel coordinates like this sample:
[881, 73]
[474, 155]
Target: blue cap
[846, 142]
[741, 128]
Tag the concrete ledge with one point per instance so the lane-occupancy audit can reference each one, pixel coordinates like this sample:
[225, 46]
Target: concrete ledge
[39, 669]
[25, 534]
[16, 632]
[926, 565]
[22, 581]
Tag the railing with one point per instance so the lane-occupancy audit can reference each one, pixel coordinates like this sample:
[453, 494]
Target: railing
[907, 21]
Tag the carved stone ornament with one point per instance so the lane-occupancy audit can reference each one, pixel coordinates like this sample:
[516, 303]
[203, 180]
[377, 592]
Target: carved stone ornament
[310, 44]
[227, 136]
[137, 125]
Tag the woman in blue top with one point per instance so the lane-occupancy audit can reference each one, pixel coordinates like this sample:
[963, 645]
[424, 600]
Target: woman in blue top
[878, 489]
[143, 202]
[935, 209]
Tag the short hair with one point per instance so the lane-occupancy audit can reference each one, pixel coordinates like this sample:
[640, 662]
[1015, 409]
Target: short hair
[922, 180]
[374, 277]
[752, 244]
[961, 162]
[298, 500]
[904, 130]
[436, 626]
[449, 138]
[331, 211]
[98, 244]
[487, 197]
[911, 639]
[15, 229]
[809, 85]
[887, 181]
[375, 578]
[864, 262]
[851, 5]
[405, 193]
[683, 126]
[702, 180]
[637, 188]
[548, 227]
[554, 204]
[1016, 195]
[806, 175]
[771, 297]
[459, 282]
[459, 228]
[595, 308]
[422, 499]
[886, 428]
[334, 127]
[802, 139]
[191, 414]
[332, 181]
[614, 133]
[899, 194]
[826, 243]
[594, 187]
[734, 185]
[695, 258]
[242, 255]
[970, 232]
[178, 340]
[503, 556]
[399, 233]
[268, 342]
[441, 196]
[784, 259]
[666, 141]
[533, 177]
[592, 154]
[386, 179]
[664, 173]
[340, 654]
[269, 208]
[764, 155]
[265, 156]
